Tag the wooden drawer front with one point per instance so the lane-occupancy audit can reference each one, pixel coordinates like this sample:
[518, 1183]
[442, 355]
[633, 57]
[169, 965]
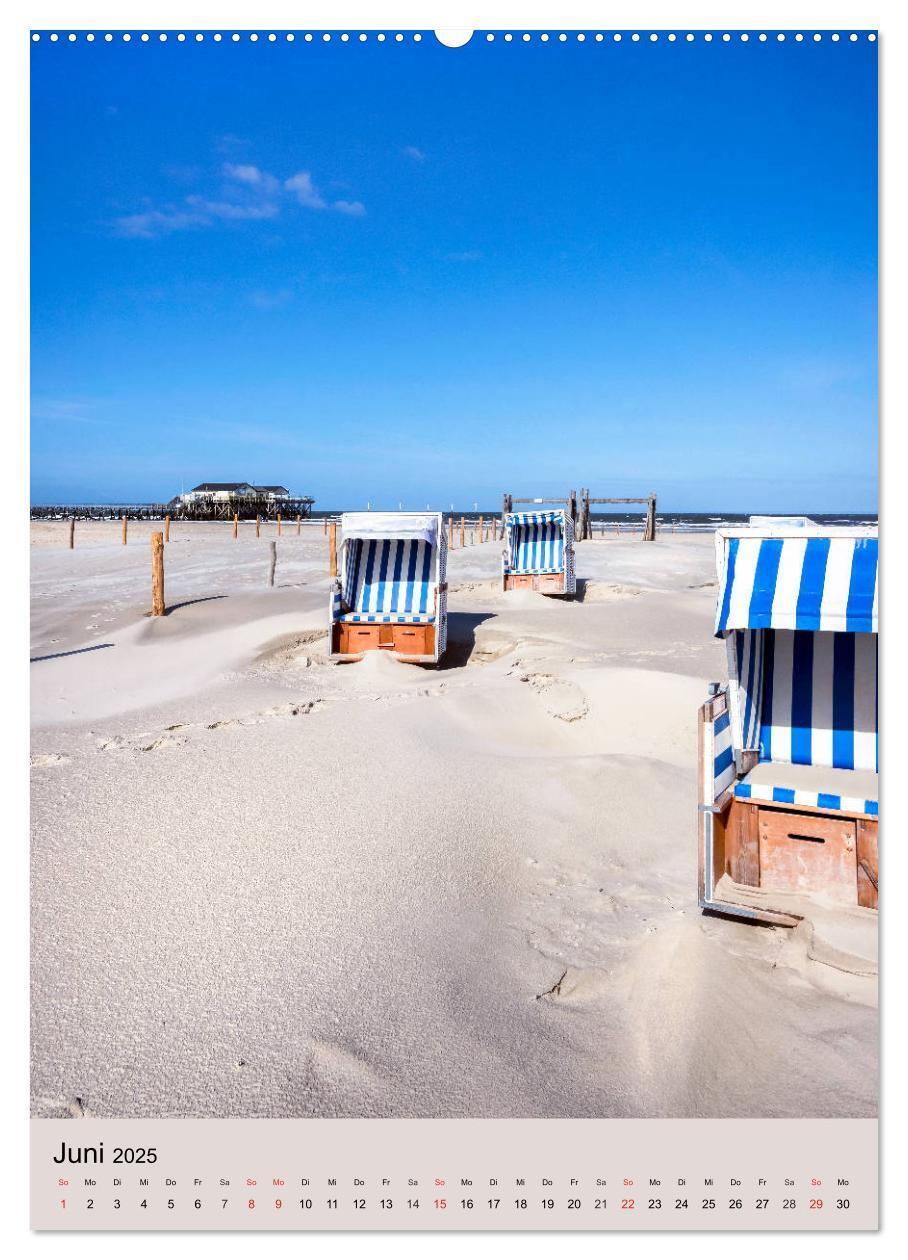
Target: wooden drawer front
[414, 640]
[356, 637]
[809, 853]
[550, 584]
[518, 582]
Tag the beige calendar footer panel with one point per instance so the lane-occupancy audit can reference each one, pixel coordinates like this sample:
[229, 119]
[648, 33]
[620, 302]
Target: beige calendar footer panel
[454, 1174]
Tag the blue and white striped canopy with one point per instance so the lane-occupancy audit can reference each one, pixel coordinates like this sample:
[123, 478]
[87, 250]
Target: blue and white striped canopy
[815, 582]
[536, 518]
[537, 541]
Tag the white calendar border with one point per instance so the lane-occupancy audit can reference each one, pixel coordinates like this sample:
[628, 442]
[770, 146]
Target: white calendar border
[17, 18]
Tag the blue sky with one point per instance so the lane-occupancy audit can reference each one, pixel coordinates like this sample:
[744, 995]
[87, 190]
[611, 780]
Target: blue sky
[408, 273]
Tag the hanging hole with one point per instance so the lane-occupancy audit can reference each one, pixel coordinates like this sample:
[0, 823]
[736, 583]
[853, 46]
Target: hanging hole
[453, 39]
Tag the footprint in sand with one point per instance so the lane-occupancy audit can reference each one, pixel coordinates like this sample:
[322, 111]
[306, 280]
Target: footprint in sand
[562, 700]
[601, 592]
[292, 709]
[48, 759]
[62, 1108]
[164, 741]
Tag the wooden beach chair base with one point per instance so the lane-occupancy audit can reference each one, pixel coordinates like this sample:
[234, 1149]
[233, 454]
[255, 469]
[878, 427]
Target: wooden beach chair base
[544, 583]
[784, 849]
[352, 638]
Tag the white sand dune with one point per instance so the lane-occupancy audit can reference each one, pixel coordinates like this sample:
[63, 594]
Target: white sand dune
[264, 885]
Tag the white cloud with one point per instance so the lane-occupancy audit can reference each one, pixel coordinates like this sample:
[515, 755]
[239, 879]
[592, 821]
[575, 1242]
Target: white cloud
[355, 208]
[232, 209]
[152, 223]
[249, 194]
[244, 174]
[411, 151]
[306, 193]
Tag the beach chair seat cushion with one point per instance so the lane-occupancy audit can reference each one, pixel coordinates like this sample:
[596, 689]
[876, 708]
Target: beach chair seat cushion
[403, 619]
[390, 579]
[819, 787]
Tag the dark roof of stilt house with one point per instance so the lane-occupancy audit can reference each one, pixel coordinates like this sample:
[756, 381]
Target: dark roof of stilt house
[211, 486]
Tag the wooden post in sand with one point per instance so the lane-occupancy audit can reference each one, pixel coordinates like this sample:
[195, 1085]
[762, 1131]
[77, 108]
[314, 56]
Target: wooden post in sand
[258, 527]
[325, 525]
[167, 529]
[482, 537]
[649, 529]
[273, 562]
[278, 524]
[332, 549]
[236, 523]
[463, 531]
[450, 532]
[298, 520]
[157, 575]
[124, 531]
[72, 532]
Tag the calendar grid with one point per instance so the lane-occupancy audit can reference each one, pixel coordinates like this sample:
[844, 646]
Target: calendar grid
[454, 1174]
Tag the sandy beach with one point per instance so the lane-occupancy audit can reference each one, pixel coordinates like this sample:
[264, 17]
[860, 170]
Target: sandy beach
[267, 885]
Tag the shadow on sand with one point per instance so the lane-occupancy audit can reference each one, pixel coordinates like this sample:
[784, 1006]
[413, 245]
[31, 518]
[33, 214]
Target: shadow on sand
[461, 638]
[55, 656]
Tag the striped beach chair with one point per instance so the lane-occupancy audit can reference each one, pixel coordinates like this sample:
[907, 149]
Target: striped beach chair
[789, 748]
[391, 594]
[539, 552]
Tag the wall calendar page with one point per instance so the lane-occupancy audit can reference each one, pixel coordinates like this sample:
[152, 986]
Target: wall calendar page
[454, 670]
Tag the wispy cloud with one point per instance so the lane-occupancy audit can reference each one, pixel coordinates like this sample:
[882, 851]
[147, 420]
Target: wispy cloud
[232, 210]
[245, 174]
[411, 151]
[151, 223]
[248, 193]
[304, 190]
[356, 208]
[306, 193]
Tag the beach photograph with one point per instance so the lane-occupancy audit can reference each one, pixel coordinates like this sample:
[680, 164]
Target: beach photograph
[453, 561]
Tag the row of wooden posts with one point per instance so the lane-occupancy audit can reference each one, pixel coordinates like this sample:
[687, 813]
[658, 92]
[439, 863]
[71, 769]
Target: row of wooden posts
[236, 520]
[487, 531]
[160, 537]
